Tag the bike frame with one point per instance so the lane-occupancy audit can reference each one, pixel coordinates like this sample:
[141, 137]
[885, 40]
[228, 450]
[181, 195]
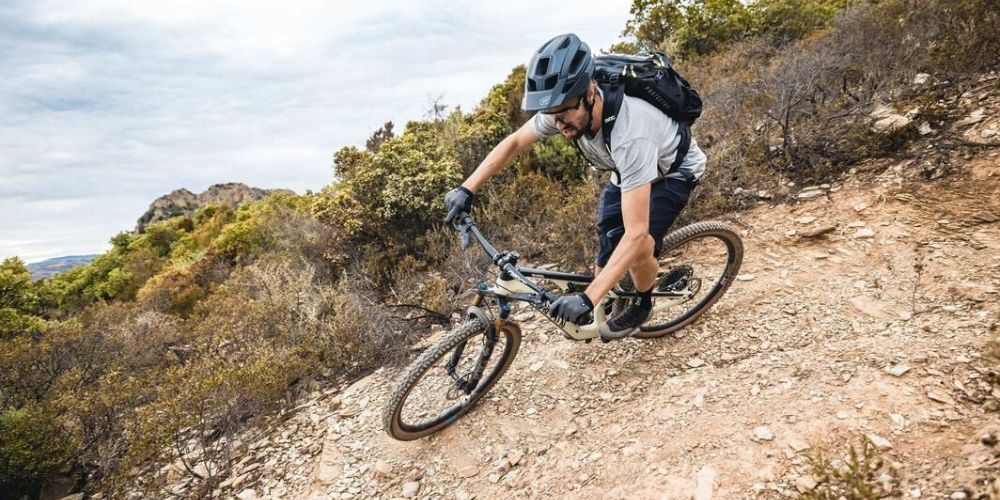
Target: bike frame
[514, 284]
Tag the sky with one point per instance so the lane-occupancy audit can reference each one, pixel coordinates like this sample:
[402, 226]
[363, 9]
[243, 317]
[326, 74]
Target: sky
[107, 105]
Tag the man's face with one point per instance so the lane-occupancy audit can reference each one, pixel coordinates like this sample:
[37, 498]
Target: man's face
[571, 117]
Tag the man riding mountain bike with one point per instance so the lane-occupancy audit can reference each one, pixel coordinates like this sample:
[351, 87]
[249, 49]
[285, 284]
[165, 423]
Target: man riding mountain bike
[638, 204]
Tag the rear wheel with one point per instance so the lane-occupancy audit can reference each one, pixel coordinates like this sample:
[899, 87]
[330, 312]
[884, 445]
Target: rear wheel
[449, 378]
[700, 260]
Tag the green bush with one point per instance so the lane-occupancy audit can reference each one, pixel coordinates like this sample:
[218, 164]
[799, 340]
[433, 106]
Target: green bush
[497, 115]
[253, 229]
[19, 301]
[118, 273]
[784, 21]
[32, 446]
[385, 202]
[701, 27]
[559, 159]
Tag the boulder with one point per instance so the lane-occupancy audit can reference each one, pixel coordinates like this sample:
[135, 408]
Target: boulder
[890, 123]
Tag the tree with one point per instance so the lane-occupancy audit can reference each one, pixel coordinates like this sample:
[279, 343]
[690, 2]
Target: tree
[653, 21]
[438, 109]
[688, 27]
[699, 27]
[379, 136]
[18, 301]
[784, 21]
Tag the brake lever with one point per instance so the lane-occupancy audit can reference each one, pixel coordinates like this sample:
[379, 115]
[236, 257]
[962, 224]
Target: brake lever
[462, 226]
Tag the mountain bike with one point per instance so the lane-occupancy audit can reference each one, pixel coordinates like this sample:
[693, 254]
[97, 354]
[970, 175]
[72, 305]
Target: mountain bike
[697, 265]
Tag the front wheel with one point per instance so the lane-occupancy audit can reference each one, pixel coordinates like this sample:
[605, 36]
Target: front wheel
[700, 260]
[449, 378]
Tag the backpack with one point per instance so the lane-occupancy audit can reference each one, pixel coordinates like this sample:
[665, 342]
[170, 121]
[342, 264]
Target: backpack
[652, 78]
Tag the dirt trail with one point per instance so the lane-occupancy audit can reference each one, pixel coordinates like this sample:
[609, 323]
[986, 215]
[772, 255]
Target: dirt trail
[830, 337]
[877, 327]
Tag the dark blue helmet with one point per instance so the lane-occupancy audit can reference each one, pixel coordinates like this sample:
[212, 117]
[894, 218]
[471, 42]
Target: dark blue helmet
[560, 70]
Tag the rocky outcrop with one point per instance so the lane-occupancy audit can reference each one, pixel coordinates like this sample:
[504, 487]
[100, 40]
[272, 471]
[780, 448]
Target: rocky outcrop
[184, 202]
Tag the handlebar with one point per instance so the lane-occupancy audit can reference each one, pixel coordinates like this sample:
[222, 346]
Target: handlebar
[506, 261]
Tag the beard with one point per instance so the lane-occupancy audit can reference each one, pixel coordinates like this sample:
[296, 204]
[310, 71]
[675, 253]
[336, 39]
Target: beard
[580, 126]
[575, 135]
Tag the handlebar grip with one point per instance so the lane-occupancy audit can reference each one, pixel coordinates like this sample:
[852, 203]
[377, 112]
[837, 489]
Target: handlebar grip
[460, 220]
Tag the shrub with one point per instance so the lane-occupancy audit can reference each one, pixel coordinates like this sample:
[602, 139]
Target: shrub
[701, 27]
[539, 217]
[174, 291]
[559, 160]
[859, 476]
[496, 116]
[117, 274]
[386, 202]
[198, 403]
[19, 301]
[784, 21]
[32, 446]
[161, 236]
[253, 229]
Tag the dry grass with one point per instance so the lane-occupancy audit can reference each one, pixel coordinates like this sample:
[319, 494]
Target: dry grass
[860, 475]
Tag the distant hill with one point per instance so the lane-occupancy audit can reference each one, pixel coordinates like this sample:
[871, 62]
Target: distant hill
[51, 267]
[184, 202]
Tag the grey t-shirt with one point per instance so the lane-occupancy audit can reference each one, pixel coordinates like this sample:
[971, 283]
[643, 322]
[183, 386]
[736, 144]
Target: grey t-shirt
[644, 143]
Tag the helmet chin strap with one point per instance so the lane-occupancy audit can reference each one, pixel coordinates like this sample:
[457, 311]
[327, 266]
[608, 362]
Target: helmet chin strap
[589, 106]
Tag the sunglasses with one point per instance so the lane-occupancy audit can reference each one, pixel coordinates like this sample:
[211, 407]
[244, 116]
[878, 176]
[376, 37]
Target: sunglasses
[559, 112]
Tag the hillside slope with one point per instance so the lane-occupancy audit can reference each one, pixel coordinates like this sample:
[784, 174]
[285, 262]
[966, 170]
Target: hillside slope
[824, 340]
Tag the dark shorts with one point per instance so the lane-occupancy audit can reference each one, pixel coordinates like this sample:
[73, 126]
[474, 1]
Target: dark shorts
[667, 198]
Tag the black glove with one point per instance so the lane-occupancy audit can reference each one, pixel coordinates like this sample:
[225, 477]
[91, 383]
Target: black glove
[456, 201]
[573, 308]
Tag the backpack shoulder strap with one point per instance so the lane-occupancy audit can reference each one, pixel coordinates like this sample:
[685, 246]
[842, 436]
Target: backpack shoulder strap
[684, 130]
[613, 95]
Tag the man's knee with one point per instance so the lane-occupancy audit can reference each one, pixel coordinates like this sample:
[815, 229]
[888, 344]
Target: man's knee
[646, 244]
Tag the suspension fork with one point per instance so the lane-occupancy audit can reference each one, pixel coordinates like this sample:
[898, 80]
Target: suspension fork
[468, 384]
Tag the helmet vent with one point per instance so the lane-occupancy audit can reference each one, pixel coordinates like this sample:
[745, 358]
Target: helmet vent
[574, 66]
[542, 67]
[564, 44]
[532, 86]
[550, 82]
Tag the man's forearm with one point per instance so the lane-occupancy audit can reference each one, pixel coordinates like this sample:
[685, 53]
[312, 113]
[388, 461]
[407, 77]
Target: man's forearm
[625, 254]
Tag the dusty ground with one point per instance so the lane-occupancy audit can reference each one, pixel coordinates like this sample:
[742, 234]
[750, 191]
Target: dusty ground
[877, 328]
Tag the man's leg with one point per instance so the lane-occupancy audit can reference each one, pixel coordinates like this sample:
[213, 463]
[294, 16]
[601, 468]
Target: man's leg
[609, 225]
[644, 273]
[667, 199]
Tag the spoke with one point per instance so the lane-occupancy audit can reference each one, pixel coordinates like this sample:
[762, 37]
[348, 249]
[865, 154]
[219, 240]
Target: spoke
[437, 394]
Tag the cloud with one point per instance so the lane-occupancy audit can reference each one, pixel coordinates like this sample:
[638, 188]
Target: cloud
[106, 105]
